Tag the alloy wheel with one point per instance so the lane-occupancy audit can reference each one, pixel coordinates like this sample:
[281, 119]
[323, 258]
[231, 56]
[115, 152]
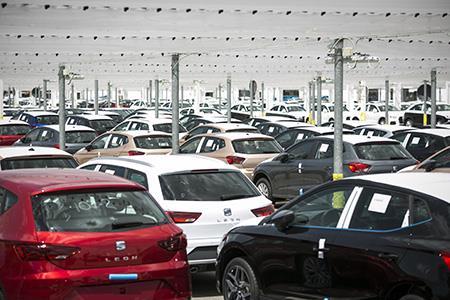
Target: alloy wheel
[237, 284]
[264, 189]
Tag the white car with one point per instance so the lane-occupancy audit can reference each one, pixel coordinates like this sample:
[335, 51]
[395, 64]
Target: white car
[290, 110]
[30, 157]
[204, 196]
[376, 113]
[164, 125]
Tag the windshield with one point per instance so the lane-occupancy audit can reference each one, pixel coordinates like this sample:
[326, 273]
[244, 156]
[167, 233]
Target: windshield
[295, 108]
[14, 129]
[101, 125]
[382, 151]
[391, 108]
[256, 146]
[80, 137]
[207, 186]
[48, 120]
[443, 107]
[96, 211]
[167, 127]
[38, 162]
[153, 142]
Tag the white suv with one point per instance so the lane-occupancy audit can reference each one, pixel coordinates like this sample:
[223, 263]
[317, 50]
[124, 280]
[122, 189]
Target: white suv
[204, 196]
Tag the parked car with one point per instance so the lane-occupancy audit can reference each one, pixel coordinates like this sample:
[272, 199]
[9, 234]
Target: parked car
[115, 116]
[294, 111]
[12, 130]
[422, 143]
[275, 128]
[438, 162]
[34, 157]
[309, 163]
[38, 118]
[376, 113]
[100, 124]
[244, 150]
[371, 237]
[84, 234]
[48, 136]
[293, 135]
[259, 120]
[204, 196]
[413, 116]
[162, 125]
[207, 120]
[350, 124]
[219, 127]
[381, 130]
[126, 143]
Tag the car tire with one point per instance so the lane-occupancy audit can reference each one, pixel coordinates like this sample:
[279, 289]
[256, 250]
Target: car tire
[331, 120]
[382, 121]
[264, 187]
[239, 281]
[409, 122]
[355, 119]
[411, 297]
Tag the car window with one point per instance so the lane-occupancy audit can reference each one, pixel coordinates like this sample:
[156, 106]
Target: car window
[275, 108]
[400, 136]
[14, 129]
[211, 145]
[256, 146]
[443, 157]
[7, 200]
[381, 151]
[381, 210]
[89, 167]
[323, 208]
[117, 140]
[122, 127]
[101, 125]
[286, 137]
[40, 162]
[273, 130]
[134, 126]
[45, 135]
[190, 146]
[33, 134]
[153, 142]
[425, 142]
[71, 121]
[100, 142]
[417, 107]
[80, 137]
[48, 120]
[325, 150]
[303, 150]
[137, 177]
[113, 170]
[198, 130]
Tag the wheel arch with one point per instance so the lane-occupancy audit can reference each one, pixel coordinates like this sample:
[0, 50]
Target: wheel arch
[408, 287]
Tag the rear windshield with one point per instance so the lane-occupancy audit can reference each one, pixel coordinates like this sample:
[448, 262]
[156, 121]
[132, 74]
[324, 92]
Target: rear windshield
[251, 130]
[167, 127]
[206, 186]
[38, 162]
[96, 211]
[256, 146]
[14, 129]
[80, 137]
[153, 142]
[48, 120]
[381, 151]
[295, 108]
[101, 125]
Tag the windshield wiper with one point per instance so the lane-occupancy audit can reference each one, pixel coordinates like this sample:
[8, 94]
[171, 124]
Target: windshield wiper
[235, 196]
[130, 224]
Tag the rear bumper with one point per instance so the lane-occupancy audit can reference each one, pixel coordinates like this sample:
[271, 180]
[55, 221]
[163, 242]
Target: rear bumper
[202, 251]
[166, 280]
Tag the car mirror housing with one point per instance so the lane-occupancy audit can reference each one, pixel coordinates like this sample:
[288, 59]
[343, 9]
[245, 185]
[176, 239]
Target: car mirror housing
[284, 157]
[89, 147]
[283, 219]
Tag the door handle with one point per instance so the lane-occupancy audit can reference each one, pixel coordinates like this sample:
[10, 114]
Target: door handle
[390, 256]
[315, 249]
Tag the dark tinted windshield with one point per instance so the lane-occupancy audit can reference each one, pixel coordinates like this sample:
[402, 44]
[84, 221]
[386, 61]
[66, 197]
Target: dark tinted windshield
[80, 137]
[153, 142]
[167, 127]
[206, 186]
[101, 125]
[382, 151]
[48, 120]
[256, 146]
[14, 129]
[96, 211]
[38, 162]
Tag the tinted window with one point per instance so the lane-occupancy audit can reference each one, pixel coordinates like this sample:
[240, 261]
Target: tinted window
[33, 134]
[167, 127]
[381, 151]
[89, 167]
[190, 146]
[256, 146]
[211, 145]
[101, 125]
[122, 127]
[303, 150]
[96, 211]
[14, 129]
[80, 137]
[254, 130]
[137, 177]
[100, 142]
[113, 170]
[46, 135]
[38, 162]
[7, 200]
[400, 137]
[206, 186]
[48, 120]
[425, 142]
[325, 150]
[117, 141]
[153, 142]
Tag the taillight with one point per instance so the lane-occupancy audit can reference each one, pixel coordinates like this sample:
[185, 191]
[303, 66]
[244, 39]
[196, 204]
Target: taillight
[174, 243]
[263, 211]
[133, 152]
[184, 217]
[40, 251]
[56, 146]
[446, 258]
[358, 167]
[234, 160]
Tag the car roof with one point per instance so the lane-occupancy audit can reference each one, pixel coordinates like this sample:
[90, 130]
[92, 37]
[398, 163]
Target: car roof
[13, 122]
[36, 181]
[151, 121]
[40, 113]
[70, 128]
[434, 131]
[238, 135]
[434, 184]
[290, 124]
[320, 130]
[102, 113]
[229, 126]
[162, 164]
[18, 151]
[92, 117]
[387, 127]
[359, 139]
[138, 133]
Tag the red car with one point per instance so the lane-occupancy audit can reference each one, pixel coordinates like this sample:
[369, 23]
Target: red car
[12, 130]
[74, 234]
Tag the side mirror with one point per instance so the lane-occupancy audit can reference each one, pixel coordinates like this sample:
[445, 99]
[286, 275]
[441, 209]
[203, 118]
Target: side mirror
[283, 219]
[89, 148]
[429, 166]
[284, 157]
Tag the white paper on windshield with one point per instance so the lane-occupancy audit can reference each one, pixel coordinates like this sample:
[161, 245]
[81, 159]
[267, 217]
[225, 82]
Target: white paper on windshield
[379, 203]
[299, 167]
[324, 147]
[209, 143]
[44, 133]
[109, 171]
[271, 129]
[300, 136]
[209, 131]
[370, 133]
[405, 222]
[415, 140]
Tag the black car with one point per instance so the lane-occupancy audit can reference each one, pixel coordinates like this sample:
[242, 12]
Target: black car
[309, 163]
[413, 116]
[422, 143]
[275, 128]
[293, 135]
[372, 237]
[100, 124]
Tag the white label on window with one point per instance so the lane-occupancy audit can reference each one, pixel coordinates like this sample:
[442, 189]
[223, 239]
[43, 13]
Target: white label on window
[415, 140]
[379, 203]
[109, 171]
[299, 167]
[324, 147]
[370, 133]
[44, 133]
[209, 131]
[271, 129]
[405, 222]
[209, 143]
[300, 136]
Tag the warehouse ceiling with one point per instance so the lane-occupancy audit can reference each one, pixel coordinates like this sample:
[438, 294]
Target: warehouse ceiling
[283, 43]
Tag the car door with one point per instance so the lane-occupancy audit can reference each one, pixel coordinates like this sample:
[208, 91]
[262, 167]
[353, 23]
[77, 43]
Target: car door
[191, 146]
[299, 261]
[94, 149]
[422, 146]
[211, 147]
[116, 146]
[31, 137]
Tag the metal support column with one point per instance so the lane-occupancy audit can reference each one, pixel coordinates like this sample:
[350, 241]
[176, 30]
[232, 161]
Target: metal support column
[319, 100]
[313, 106]
[149, 94]
[309, 107]
[62, 108]
[96, 96]
[116, 94]
[156, 98]
[251, 98]
[87, 97]
[109, 93]
[182, 96]
[425, 96]
[175, 103]
[387, 94]
[220, 97]
[433, 98]
[44, 87]
[229, 99]
[72, 95]
[338, 167]
[262, 98]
